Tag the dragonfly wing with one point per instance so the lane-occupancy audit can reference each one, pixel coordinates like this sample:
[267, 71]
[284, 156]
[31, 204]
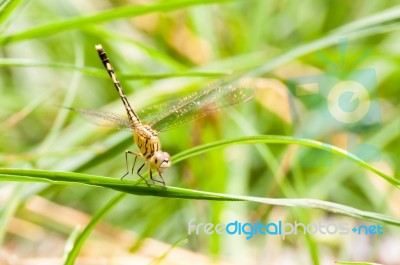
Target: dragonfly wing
[104, 119]
[200, 104]
[152, 112]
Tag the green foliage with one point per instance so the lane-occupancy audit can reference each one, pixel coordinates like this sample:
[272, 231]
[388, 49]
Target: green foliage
[243, 162]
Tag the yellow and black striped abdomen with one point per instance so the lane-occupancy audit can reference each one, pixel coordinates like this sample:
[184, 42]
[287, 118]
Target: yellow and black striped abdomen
[146, 140]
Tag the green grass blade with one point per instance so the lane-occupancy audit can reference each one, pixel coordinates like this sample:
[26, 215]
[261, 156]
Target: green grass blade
[356, 263]
[68, 100]
[175, 74]
[64, 66]
[80, 239]
[70, 243]
[179, 243]
[117, 13]
[269, 139]
[154, 53]
[92, 71]
[276, 139]
[332, 39]
[9, 209]
[391, 14]
[29, 175]
[7, 8]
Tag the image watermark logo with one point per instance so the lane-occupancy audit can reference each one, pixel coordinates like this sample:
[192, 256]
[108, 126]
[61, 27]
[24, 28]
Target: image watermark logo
[338, 102]
[280, 228]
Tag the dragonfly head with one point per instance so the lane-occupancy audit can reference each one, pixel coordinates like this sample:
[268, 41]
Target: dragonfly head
[160, 160]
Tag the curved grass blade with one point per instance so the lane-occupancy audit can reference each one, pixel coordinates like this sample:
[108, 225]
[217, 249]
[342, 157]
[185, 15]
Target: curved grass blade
[31, 63]
[381, 18]
[357, 32]
[133, 188]
[79, 22]
[179, 243]
[9, 209]
[174, 74]
[8, 9]
[70, 243]
[277, 139]
[357, 263]
[80, 239]
[61, 117]
[92, 71]
[28, 175]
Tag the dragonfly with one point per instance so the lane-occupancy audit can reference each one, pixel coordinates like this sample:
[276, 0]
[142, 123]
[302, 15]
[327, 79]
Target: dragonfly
[173, 113]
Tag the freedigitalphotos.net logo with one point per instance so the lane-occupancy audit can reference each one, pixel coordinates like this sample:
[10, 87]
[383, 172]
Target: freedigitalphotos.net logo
[338, 102]
[280, 228]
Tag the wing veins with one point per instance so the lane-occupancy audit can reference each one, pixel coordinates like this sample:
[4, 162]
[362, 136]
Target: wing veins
[200, 104]
[106, 119]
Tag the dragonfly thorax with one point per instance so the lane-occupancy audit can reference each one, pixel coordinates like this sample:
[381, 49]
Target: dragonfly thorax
[146, 140]
[149, 145]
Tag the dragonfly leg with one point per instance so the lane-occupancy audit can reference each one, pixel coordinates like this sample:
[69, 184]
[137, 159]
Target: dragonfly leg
[126, 162]
[163, 182]
[155, 180]
[134, 162]
[138, 172]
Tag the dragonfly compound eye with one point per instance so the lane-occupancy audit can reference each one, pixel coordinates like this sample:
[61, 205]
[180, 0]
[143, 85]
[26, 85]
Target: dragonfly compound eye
[161, 160]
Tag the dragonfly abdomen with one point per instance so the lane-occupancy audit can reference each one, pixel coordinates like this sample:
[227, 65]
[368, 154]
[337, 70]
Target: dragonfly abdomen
[146, 140]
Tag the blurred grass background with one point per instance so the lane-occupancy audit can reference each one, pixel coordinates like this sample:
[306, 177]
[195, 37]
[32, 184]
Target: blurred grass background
[162, 50]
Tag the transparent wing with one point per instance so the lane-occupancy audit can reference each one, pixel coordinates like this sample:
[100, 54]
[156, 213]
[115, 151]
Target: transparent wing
[151, 112]
[105, 119]
[199, 104]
